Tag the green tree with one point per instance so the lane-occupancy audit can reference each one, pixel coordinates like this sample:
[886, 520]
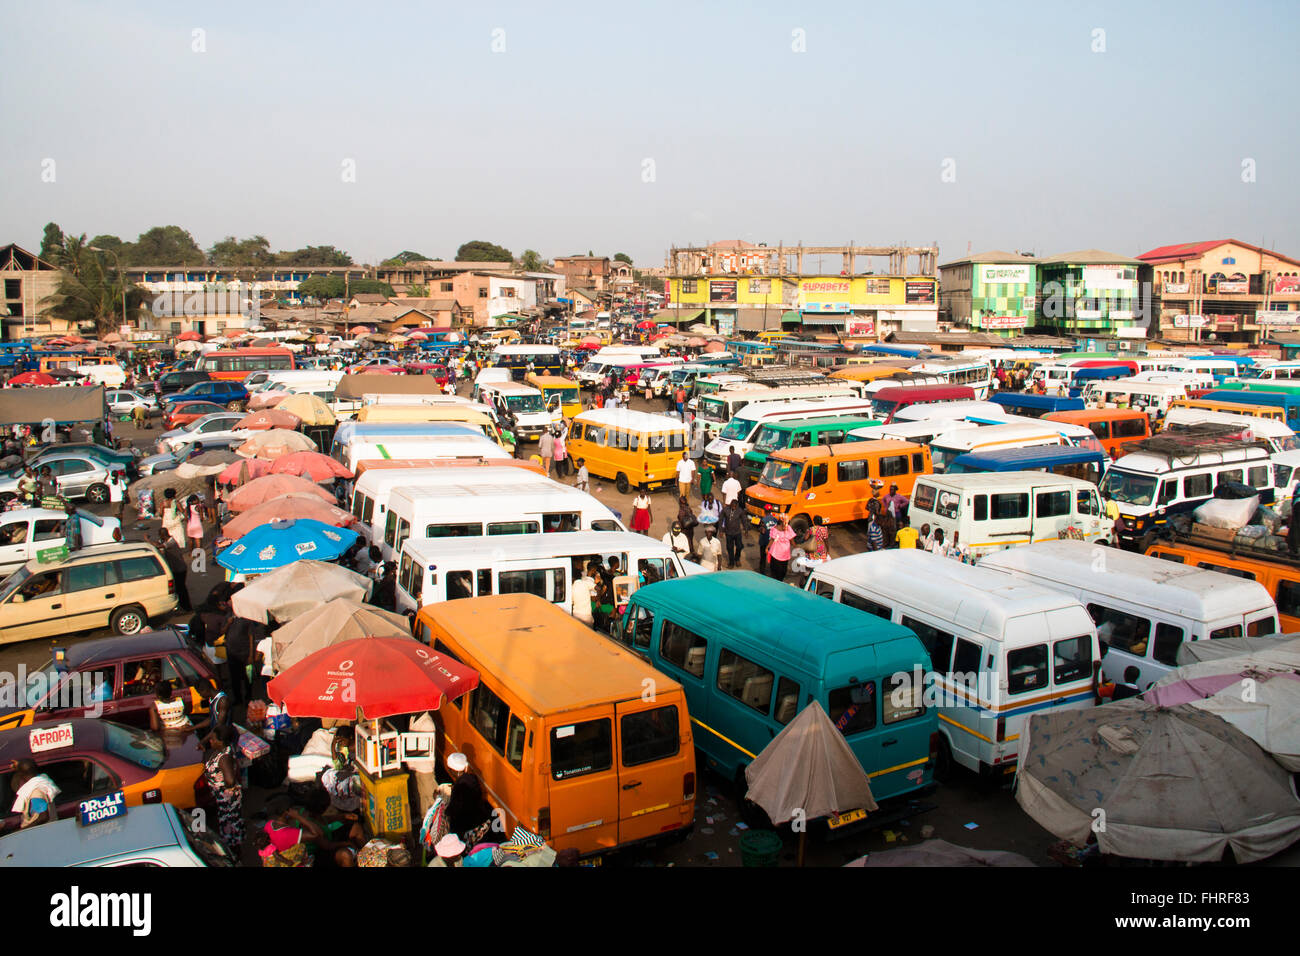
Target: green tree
[111, 243]
[622, 257]
[230, 251]
[334, 287]
[165, 246]
[402, 258]
[532, 261]
[480, 250]
[90, 291]
[51, 242]
[418, 291]
[314, 256]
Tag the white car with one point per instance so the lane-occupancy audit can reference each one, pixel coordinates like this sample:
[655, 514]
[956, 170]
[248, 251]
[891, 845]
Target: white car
[124, 401]
[214, 427]
[26, 532]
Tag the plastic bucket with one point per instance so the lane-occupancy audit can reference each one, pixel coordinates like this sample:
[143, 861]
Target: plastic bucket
[760, 848]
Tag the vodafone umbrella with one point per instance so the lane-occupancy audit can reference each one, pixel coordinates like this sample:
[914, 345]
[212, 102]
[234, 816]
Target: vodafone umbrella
[266, 488]
[374, 677]
[310, 464]
[269, 418]
[32, 378]
[243, 471]
[275, 443]
[290, 506]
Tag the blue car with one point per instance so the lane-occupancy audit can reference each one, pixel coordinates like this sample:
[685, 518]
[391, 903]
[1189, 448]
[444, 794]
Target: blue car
[231, 394]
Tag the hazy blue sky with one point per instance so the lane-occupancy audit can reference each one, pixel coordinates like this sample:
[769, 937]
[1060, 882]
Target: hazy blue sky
[544, 145]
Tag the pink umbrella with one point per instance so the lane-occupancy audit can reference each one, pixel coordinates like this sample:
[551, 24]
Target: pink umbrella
[266, 400]
[311, 464]
[417, 336]
[242, 472]
[293, 507]
[358, 330]
[269, 418]
[269, 487]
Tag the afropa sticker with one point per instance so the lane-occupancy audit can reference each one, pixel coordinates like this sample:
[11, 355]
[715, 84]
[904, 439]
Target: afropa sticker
[305, 547]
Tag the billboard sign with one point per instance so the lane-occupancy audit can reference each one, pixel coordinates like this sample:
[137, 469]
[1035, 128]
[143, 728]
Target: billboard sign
[1010, 275]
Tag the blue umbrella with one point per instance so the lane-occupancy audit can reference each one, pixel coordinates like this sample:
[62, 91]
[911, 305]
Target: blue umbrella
[278, 543]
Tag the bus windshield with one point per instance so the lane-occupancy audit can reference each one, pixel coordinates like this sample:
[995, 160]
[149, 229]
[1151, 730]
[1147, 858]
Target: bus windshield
[713, 410]
[1128, 488]
[738, 429]
[770, 438]
[525, 403]
[781, 474]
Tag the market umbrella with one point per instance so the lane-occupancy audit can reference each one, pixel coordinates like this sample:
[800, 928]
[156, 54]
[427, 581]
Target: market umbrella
[243, 470]
[217, 456]
[941, 853]
[112, 337]
[358, 330]
[268, 419]
[192, 469]
[1279, 648]
[296, 589]
[189, 346]
[63, 374]
[385, 676]
[33, 378]
[715, 346]
[189, 337]
[268, 399]
[332, 623]
[1257, 696]
[290, 506]
[310, 409]
[268, 487]
[696, 342]
[269, 546]
[275, 442]
[808, 769]
[1174, 783]
[191, 485]
[417, 337]
[310, 464]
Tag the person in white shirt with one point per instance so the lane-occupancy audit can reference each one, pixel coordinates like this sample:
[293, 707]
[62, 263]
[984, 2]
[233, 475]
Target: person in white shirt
[424, 767]
[583, 590]
[710, 549]
[676, 540]
[685, 476]
[731, 489]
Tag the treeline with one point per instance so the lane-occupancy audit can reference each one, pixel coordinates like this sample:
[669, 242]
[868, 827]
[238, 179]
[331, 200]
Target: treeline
[174, 246]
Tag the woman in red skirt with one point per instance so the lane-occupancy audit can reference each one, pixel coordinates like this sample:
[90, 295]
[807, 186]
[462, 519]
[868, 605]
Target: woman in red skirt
[641, 511]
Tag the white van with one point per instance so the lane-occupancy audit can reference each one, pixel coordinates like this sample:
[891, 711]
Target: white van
[992, 511]
[519, 407]
[1277, 434]
[371, 491]
[490, 505]
[1153, 397]
[108, 375]
[742, 431]
[292, 380]
[962, 408]
[716, 410]
[442, 569]
[944, 448]
[999, 650]
[1170, 475]
[486, 376]
[1219, 368]
[923, 433]
[1054, 375]
[1189, 380]
[976, 375]
[1277, 372]
[912, 379]
[446, 446]
[1143, 607]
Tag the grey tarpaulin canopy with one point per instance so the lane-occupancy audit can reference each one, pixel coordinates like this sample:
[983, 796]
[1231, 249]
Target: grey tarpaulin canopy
[1190, 652]
[352, 387]
[64, 404]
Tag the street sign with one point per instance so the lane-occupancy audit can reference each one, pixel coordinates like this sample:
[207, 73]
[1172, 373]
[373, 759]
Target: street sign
[99, 809]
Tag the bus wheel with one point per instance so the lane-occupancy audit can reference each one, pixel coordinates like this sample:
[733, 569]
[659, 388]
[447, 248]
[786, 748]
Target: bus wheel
[622, 484]
[943, 764]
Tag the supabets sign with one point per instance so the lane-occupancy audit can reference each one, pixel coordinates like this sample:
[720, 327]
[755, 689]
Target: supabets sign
[1010, 275]
[825, 287]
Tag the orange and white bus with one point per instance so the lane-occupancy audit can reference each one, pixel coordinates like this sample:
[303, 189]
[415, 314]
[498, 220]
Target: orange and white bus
[235, 365]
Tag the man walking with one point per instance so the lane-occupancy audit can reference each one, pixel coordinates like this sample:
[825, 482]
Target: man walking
[685, 476]
[731, 489]
[733, 525]
[546, 449]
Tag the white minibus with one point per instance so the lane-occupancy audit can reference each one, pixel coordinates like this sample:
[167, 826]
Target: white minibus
[1278, 435]
[741, 432]
[1144, 607]
[716, 410]
[944, 448]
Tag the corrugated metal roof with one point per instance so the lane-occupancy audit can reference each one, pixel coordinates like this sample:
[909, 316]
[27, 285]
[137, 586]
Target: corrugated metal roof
[1089, 257]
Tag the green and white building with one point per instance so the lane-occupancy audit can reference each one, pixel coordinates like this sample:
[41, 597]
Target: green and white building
[1091, 292]
[991, 292]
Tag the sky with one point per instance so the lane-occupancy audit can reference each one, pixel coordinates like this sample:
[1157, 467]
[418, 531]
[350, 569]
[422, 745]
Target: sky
[630, 127]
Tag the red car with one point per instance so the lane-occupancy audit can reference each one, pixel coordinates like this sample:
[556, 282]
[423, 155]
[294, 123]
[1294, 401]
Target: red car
[435, 371]
[182, 413]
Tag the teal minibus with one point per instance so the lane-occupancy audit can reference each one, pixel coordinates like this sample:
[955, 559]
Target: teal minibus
[752, 652]
[798, 433]
[1259, 395]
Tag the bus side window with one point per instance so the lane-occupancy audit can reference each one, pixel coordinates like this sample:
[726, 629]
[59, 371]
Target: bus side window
[484, 581]
[1168, 491]
[460, 584]
[815, 475]
[981, 507]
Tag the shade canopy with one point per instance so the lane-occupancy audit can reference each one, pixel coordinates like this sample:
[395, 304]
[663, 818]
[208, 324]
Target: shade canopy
[275, 443]
[297, 588]
[311, 465]
[281, 542]
[268, 487]
[290, 506]
[332, 623]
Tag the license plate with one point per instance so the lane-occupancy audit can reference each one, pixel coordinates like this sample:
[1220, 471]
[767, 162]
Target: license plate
[836, 821]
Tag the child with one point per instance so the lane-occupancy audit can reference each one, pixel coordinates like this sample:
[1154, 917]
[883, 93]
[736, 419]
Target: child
[581, 483]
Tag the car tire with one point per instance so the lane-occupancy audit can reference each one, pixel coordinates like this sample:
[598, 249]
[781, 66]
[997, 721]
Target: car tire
[622, 484]
[944, 766]
[97, 494]
[236, 406]
[128, 620]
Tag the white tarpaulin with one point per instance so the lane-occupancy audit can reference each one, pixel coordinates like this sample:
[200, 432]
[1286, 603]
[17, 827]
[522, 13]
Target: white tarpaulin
[296, 588]
[1155, 783]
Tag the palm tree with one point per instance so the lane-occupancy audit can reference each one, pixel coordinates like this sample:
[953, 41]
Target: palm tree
[90, 293]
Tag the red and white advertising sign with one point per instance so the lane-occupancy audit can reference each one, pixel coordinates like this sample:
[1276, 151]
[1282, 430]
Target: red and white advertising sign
[858, 327]
[50, 738]
[1004, 322]
[1285, 284]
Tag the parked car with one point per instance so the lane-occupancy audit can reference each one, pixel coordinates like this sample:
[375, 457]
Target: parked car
[214, 427]
[125, 457]
[151, 835]
[27, 532]
[101, 757]
[78, 476]
[169, 383]
[168, 460]
[121, 586]
[124, 401]
[179, 414]
[232, 395]
[116, 677]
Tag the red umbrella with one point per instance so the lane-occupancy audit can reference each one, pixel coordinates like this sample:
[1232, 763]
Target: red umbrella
[374, 676]
[32, 378]
[310, 463]
[269, 418]
[189, 337]
[358, 330]
[293, 508]
[645, 324]
[715, 346]
[266, 488]
[417, 336]
[242, 472]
